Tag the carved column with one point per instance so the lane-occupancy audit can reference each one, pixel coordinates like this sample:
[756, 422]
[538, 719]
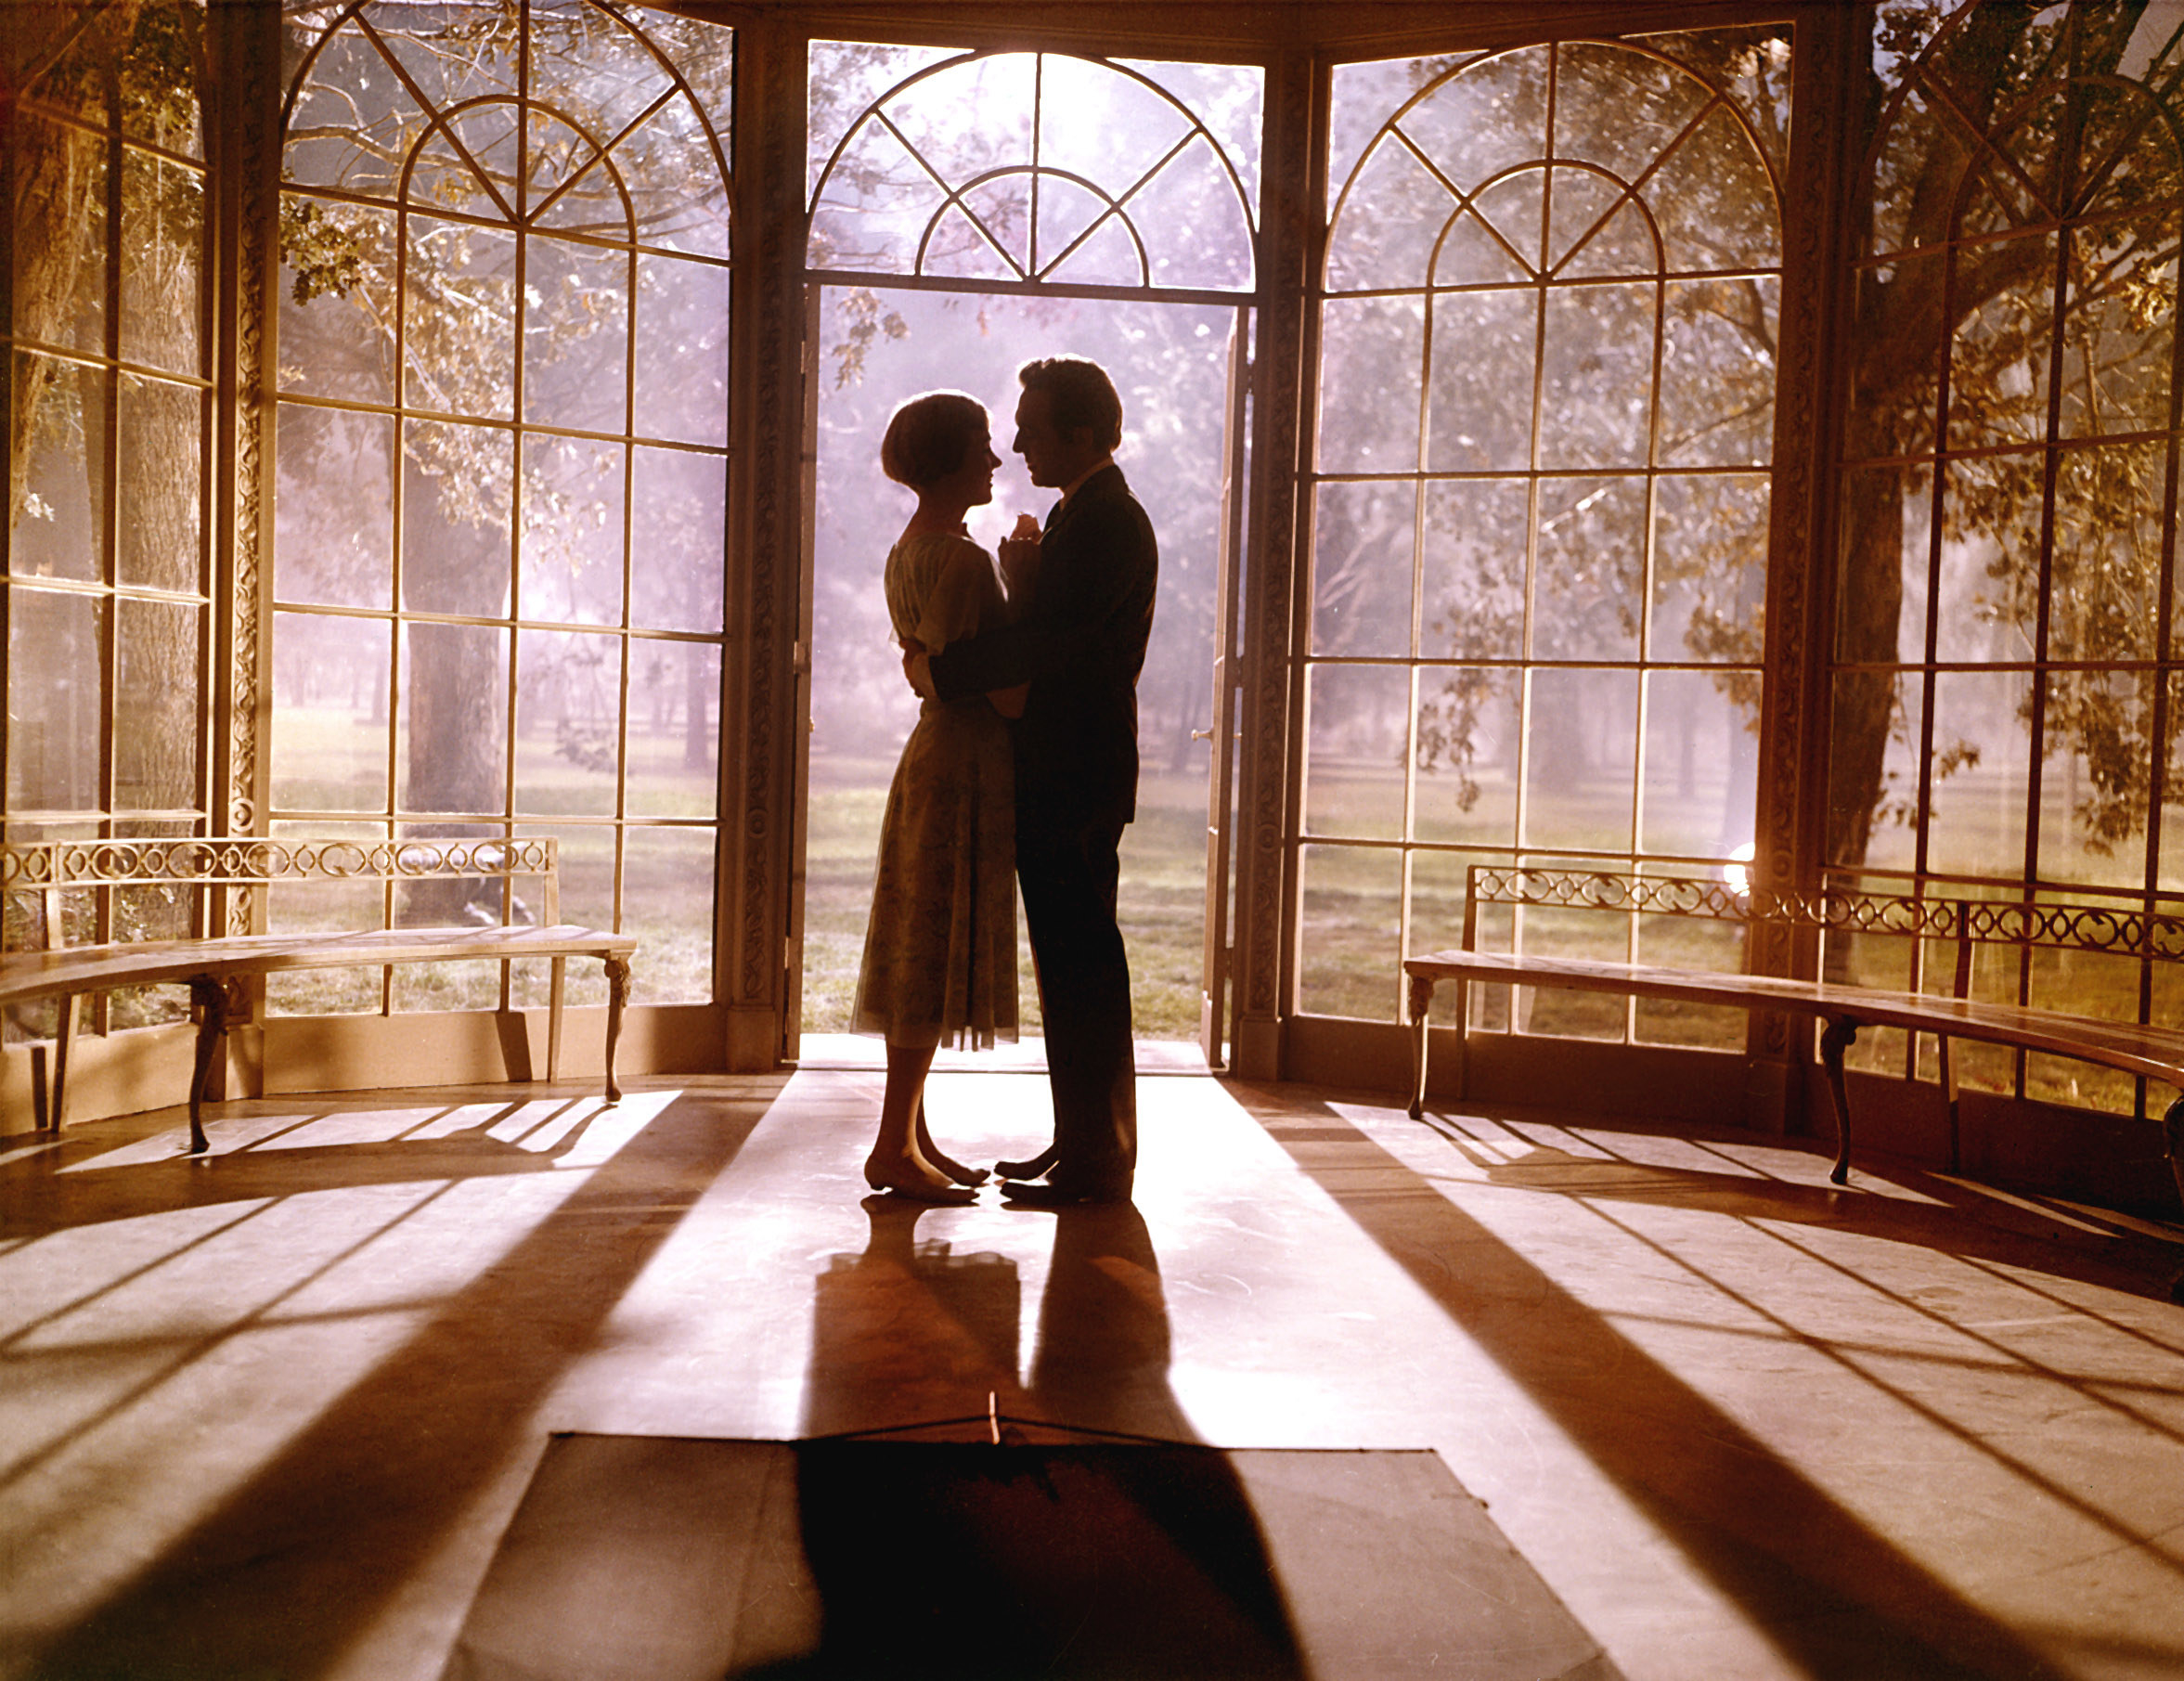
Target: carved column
[765, 542]
[1791, 818]
[1296, 151]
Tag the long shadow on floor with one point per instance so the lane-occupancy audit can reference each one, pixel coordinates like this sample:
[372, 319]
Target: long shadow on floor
[257, 1588]
[1835, 1595]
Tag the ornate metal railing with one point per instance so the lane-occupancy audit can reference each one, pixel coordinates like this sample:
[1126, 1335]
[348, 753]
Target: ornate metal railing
[254, 862]
[2098, 928]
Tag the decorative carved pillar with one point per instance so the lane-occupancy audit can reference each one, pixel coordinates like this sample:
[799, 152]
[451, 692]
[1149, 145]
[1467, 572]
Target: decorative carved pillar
[765, 542]
[242, 139]
[1296, 151]
[1791, 818]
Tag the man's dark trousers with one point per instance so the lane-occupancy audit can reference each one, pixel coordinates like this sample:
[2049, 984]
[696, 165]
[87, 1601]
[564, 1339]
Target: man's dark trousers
[1067, 872]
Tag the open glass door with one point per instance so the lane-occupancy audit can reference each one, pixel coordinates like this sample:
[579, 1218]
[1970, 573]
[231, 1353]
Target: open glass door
[972, 212]
[1221, 780]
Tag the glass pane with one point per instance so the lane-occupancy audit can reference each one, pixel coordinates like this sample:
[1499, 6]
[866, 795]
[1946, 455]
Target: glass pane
[1469, 725]
[985, 235]
[1580, 202]
[1067, 213]
[2120, 342]
[677, 541]
[1619, 108]
[674, 729]
[1689, 942]
[1228, 99]
[2105, 595]
[1589, 585]
[60, 532]
[1357, 734]
[1596, 935]
[1191, 220]
[162, 258]
[935, 115]
[1624, 244]
[1582, 754]
[677, 194]
[415, 988]
[1998, 357]
[681, 351]
[337, 336]
[333, 507]
[329, 721]
[873, 207]
[1701, 762]
[63, 301]
[482, 64]
[451, 750]
[1710, 568]
[1473, 605]
[668, 901]
[1350, 951]
[1981, 760]
[568, 723]
[1484, 350]
[1717, 373]
[1514, 207]
[572, 531]
[56, 700]
[1111, 129]
[459, 316]
[158, 680]
[1873, 769]
[1390, 223]
[591, 64]
[1987, 606]
[1370, 356]
[2099, 776]
[1363, 97]
[455, 552]
[1473, 253]
[354, 122]
[1489, 116]
[1596, 376]
[576, 335]
[1715, 201]
[1884, 561]
[847, 77]
[162, 473]
[1362, 541]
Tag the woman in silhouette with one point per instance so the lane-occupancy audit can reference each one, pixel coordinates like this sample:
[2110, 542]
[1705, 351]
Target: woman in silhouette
[940, 947]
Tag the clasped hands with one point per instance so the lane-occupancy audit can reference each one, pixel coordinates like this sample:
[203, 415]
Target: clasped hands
[1019, 562]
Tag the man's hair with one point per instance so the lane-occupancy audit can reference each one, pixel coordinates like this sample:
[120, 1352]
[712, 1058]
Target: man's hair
[1080, 397]
[930, 436]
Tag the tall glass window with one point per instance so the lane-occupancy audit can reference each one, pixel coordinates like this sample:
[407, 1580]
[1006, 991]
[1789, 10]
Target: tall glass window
[106, 574]
[1540, 502]
[501, 468]
[2007, 689]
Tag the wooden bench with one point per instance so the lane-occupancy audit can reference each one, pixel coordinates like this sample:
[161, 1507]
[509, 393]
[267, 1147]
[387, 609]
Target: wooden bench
[39, 879]
[2147, 1052]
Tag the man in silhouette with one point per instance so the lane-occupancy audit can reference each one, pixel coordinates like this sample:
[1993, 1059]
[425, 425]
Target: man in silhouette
[1078, 639]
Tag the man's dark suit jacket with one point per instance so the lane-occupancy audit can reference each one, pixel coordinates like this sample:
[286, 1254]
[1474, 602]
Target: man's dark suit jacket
[1080, 643]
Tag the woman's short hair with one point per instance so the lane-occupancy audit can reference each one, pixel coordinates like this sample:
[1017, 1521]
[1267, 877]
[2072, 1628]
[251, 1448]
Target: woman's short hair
[930, 436]
[1080, 397]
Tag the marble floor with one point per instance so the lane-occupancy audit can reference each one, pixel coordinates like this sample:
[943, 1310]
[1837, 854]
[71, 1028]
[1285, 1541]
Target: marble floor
[267, 1414]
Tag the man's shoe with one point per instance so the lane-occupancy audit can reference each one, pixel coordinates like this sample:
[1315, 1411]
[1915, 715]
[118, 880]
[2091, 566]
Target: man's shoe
[1035, 1167]
[1067, 1195]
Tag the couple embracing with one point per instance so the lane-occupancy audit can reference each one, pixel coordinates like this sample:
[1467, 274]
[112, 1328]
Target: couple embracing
[1023, 764]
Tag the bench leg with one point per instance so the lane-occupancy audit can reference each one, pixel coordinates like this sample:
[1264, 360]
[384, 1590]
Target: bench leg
[617, 996]
[1421, 1001]
[211, 998]
[553, 1021]
[1834, 1041]
[64, 1035]
[2172, 1126]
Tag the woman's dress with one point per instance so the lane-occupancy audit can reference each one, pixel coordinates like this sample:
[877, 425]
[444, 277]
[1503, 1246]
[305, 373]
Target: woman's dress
[941, 948]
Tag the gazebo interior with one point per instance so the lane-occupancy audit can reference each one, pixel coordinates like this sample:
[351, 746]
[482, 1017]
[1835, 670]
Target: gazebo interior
[1730, 451]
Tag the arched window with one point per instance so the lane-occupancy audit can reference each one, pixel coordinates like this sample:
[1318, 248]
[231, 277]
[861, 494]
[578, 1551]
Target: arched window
[2008, 692]
[1082, 171]
[107, 613]
[502, 467]
[1539, 511]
